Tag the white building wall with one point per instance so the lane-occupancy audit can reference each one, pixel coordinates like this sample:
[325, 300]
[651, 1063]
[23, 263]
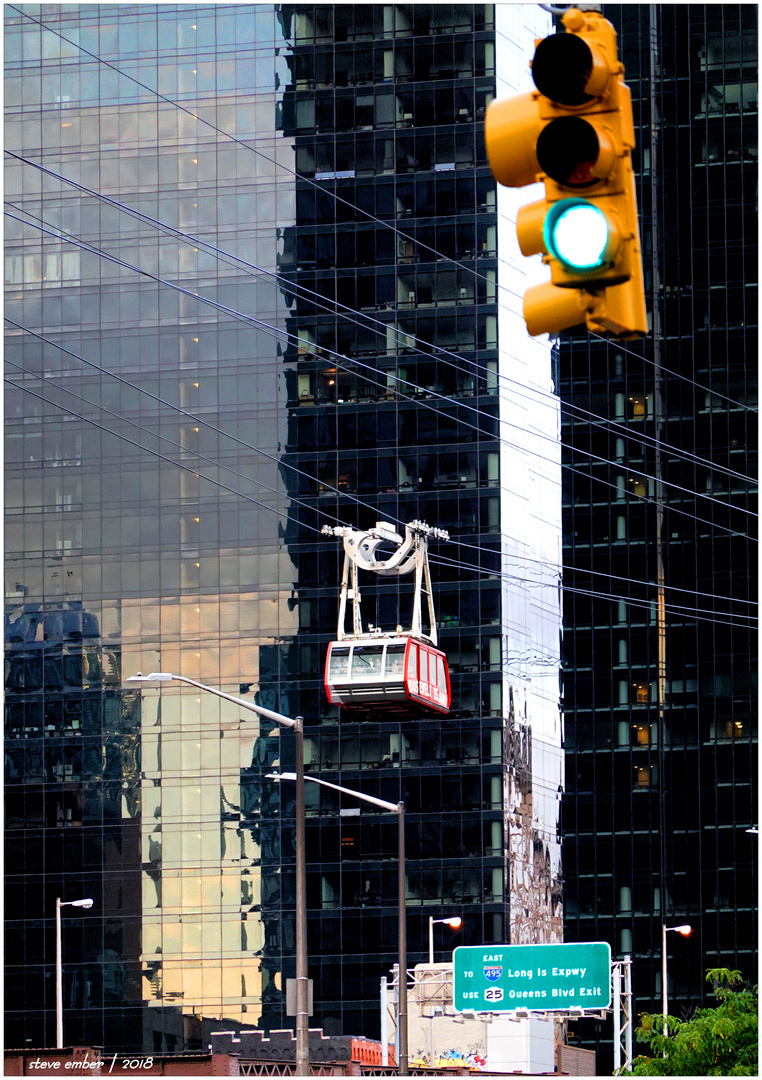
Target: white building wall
[530, 473]
[526, 1045]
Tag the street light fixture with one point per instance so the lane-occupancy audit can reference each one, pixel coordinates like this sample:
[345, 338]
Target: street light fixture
[86, 903]
[399, 810]
[456, 922]
[297, 723]
[685, 930]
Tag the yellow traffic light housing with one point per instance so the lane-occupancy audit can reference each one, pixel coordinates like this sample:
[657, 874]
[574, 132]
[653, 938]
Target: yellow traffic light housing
[575, 133]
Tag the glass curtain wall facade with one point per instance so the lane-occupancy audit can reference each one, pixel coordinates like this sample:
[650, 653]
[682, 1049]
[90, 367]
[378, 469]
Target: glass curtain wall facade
[659, 533]
[258, 280]
[395, 415]
[144, 494]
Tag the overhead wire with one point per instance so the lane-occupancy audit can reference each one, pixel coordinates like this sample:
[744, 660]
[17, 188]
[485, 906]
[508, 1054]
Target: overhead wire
[493, 552]
[237, 141]
[698, 613]
[436, 352]
[299, 290]
[318, 510]
[500, 285]
[641, 602]
[338, 358]
[185, 412]
[338, 198]
[155, 453]
[187, 468]
[164, 438]
[618, 578]
[200, 420]
[249, 147]
[197, 418]
[220, 131]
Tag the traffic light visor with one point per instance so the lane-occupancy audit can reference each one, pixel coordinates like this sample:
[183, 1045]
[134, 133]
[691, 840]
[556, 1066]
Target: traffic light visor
[510, 132]
[580, 234]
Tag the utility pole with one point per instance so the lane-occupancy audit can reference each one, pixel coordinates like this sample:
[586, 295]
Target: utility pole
[661, 615]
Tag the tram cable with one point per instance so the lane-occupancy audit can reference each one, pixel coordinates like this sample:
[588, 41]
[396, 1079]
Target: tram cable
[321, 188]
[338, 357]
[435, 352]
[497, 574]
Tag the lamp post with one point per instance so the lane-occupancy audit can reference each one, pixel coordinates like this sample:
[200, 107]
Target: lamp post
[399, 810]
[297, 723]
[86, 903]
[685, 930]
[455, 922]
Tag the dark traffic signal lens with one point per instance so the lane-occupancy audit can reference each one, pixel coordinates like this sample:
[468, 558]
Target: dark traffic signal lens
[567, 150]
[561, 69]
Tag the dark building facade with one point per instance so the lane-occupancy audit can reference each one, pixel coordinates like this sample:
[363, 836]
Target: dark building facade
[254, 287]
[387, 111]
[660, 529]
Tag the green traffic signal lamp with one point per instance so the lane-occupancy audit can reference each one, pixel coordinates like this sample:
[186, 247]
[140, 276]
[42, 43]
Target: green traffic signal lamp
[581, 236]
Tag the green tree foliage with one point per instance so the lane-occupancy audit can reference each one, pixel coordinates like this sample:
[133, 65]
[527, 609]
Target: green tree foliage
[713, 1042]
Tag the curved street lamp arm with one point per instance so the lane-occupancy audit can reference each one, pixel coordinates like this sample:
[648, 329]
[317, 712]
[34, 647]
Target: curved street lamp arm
[391, 807]
[160, 676]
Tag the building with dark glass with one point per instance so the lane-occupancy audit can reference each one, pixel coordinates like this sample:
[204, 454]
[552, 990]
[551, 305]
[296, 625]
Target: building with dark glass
[660, 534]
[259, 280]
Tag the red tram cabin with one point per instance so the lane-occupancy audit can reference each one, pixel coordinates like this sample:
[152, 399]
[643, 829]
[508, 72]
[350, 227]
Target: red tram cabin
[400, 673]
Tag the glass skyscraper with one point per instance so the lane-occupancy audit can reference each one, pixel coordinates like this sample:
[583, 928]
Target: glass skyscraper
[660, 534]
[259, 280]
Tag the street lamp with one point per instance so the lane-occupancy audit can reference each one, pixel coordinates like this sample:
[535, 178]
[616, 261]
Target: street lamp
[455, 923]
[87, 903]
[297, 723]
[685, 930]
[399, 810]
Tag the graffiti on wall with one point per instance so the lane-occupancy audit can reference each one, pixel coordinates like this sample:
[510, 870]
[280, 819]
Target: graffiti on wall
[448, 1058]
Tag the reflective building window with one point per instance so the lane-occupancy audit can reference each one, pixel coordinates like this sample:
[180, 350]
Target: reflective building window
[252, 288]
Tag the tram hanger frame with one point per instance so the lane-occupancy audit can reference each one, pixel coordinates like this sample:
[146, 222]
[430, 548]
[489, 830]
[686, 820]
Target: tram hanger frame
[411, 554]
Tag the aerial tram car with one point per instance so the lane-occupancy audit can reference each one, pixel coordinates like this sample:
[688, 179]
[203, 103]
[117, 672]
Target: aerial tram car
[399, 672]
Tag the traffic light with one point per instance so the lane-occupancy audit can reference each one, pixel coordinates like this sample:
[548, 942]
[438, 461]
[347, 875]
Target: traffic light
[575, 134]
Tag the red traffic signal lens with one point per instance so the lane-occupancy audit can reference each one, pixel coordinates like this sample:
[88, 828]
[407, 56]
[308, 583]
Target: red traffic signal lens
[561, 69]
[568, 150]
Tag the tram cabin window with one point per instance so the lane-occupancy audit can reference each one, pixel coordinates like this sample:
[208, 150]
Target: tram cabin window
[339, 667]
[412, 661]
[395, 659]
[366, 660]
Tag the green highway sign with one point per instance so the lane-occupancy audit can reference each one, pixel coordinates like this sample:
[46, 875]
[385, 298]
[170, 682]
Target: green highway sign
[501, 978]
